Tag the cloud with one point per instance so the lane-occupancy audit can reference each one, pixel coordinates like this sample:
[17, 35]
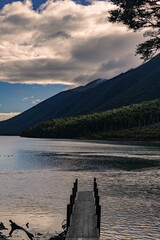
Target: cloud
[27, 98]
[62, 41]
[119, 62]
[24, 99]
[5, 116]
[37, 101]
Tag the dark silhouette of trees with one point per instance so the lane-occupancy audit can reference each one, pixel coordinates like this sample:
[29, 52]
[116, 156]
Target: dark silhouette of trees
[140, 14]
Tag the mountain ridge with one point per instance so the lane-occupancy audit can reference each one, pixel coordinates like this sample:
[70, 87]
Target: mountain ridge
[134, 86]
[136, 121]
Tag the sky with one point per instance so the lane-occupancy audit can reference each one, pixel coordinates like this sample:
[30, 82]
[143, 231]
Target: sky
[48, 46]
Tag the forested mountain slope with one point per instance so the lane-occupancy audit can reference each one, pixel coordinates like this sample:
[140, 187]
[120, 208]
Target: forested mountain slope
[134, 86]
[135, 121]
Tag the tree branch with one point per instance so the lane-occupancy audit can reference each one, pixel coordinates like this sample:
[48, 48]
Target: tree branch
[14, 227]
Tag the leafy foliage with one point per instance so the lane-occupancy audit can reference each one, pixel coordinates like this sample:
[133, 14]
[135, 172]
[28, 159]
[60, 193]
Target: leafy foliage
[99, 125]
[140, 14]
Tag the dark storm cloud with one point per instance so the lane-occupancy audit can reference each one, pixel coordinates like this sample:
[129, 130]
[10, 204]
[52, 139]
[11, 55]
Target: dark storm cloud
[40, 69]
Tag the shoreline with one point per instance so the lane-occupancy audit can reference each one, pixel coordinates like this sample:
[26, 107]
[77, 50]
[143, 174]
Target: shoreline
[123, 139]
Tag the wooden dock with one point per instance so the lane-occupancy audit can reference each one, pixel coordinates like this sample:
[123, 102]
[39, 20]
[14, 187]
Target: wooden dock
[83, 215]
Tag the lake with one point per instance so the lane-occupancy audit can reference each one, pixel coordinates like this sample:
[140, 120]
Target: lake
[37, 175]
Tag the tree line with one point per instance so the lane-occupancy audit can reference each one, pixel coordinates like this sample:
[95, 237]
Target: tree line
[136, 115]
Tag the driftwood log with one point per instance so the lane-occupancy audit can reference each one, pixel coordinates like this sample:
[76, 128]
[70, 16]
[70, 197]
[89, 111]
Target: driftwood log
[14, 227]
[2, 227]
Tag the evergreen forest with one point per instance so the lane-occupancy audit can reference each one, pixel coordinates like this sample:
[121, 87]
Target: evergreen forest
[137, 122]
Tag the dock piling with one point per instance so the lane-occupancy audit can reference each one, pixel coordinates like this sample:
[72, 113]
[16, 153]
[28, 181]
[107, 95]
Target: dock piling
[68, 215]
[98, 207]
[98, 212]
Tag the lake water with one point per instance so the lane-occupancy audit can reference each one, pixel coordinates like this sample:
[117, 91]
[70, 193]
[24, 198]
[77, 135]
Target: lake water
[37, 175]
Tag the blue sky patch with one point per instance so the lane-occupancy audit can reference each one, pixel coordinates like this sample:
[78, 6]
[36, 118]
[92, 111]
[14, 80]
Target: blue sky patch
[20, 97]
[37, 3]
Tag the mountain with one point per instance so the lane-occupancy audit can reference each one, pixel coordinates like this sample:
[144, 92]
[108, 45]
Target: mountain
[135, 86]
[137, 121]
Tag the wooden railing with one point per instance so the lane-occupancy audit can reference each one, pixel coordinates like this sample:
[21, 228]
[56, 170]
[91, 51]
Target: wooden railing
[98, 206]
[72, 202]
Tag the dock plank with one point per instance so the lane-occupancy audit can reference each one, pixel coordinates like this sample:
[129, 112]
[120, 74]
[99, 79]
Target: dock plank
[83, 221]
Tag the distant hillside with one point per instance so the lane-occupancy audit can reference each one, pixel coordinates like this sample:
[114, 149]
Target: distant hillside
[134, 86]
[138, 121]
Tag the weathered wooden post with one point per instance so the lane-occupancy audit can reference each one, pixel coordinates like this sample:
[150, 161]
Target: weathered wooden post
[76, 184]
[96, 192]
[98, 207]
[73, 194]
[71, 202]
[98, 212]
[75, 187]
[94, 185]
[68, 215]
[97, 200]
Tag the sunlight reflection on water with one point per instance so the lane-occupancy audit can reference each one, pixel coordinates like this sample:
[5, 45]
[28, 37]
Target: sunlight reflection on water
[36, 177]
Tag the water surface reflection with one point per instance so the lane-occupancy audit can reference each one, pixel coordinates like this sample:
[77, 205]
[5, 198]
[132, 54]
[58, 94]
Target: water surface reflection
[36, 177]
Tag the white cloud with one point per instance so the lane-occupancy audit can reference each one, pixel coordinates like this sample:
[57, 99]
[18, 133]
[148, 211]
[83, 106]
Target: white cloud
[61, 41]
[24, 99]
[5, 116]
[27, 98]
[36, 101]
